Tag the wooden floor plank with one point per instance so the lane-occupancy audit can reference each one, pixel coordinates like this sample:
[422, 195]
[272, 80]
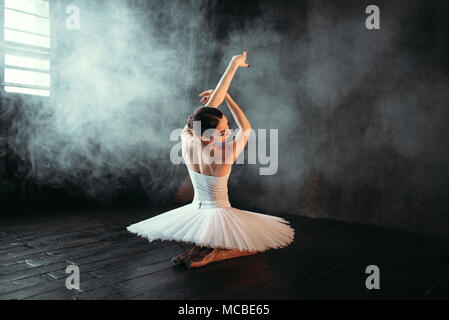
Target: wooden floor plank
[407, 267]
[197, 281]
[282, 271]
[325, 260]
[439, 290]
[27, 288]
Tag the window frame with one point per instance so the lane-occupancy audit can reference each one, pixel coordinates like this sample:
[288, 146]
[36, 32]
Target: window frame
[27, 51]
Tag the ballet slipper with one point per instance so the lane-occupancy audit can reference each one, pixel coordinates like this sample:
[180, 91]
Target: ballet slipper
[180, 258]
[177, 260]
[218, 255]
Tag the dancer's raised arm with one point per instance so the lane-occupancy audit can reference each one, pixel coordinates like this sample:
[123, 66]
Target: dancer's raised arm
[219, 94]
[239, 116]
[241, 138]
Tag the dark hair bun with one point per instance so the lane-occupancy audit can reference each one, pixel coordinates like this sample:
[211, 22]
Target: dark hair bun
[207, 116]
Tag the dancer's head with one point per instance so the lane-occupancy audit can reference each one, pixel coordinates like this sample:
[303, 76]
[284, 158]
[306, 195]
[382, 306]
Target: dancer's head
[208, 119]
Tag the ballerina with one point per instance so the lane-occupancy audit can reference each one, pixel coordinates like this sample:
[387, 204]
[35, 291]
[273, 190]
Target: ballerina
[216, 230]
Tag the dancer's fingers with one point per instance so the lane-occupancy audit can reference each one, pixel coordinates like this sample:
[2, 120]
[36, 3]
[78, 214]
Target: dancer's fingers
[245, 53]
[206, 93]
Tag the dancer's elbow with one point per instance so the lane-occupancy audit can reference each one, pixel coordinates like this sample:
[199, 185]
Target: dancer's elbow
[246, 130]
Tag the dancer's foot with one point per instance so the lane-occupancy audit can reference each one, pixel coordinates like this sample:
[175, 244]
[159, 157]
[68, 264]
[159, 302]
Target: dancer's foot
[217, 255]
[180, 258]
[204, 252]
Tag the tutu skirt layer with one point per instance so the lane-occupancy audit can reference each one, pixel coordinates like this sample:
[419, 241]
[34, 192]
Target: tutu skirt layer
[225, 228]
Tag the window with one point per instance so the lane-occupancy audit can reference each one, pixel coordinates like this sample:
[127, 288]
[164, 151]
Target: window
[26, 47]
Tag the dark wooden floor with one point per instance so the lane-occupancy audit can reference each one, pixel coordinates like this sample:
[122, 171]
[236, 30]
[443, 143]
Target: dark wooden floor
[326, 261]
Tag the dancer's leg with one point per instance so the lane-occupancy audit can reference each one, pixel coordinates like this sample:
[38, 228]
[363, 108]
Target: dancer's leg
[217, 255]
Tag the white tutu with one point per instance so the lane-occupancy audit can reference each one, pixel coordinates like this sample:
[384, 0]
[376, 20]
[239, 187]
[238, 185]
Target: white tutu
[210, 221]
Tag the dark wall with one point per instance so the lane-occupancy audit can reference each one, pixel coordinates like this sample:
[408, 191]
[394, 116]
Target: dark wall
[361, 114]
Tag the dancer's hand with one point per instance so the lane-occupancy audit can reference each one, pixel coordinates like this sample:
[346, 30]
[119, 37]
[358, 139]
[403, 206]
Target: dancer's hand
[240, 60]
[206, 95]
